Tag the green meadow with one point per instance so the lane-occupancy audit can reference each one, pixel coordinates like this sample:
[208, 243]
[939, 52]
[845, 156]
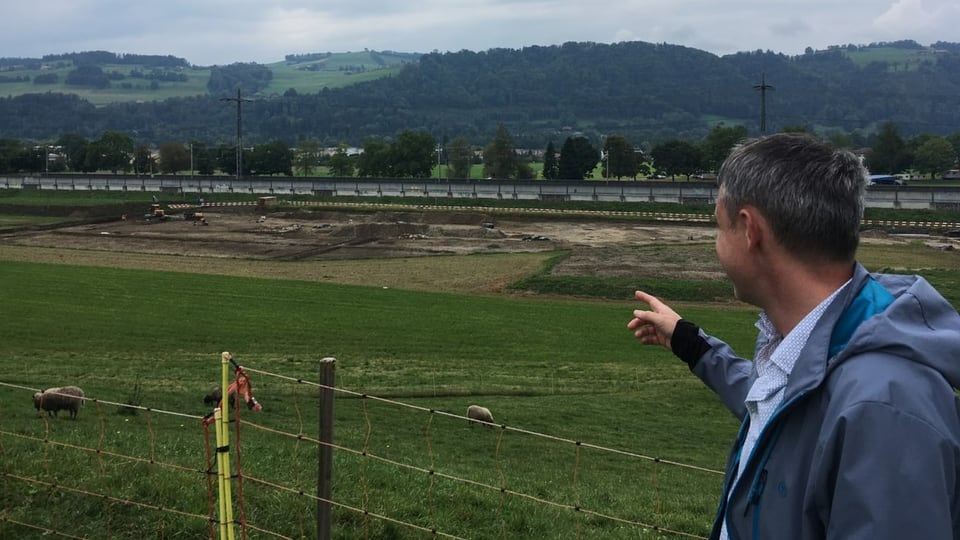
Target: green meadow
[596, 436]
[560, 371]
[567, 369]
[901, 59]
[335, 71]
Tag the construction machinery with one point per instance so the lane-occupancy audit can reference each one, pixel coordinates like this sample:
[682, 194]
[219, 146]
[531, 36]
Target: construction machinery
[156, 212]
[195, 216]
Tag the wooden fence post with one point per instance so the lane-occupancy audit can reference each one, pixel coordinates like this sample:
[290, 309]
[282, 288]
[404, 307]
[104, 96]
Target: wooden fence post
[325, 462]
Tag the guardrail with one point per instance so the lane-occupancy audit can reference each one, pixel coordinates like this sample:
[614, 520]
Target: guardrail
[907, 197]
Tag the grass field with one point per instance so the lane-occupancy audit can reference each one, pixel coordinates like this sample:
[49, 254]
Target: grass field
[338, 70]
[565, 368]
[15, 221]
[311, 82]
[587, 407]
[899, 58]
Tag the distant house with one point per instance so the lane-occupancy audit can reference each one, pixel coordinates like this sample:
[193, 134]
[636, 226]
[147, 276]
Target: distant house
[351, 151]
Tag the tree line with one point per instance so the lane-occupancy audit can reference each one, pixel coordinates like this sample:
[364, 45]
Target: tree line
[414, 154]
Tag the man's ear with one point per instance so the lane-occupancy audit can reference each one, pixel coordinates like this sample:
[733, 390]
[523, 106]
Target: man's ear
[754, 226]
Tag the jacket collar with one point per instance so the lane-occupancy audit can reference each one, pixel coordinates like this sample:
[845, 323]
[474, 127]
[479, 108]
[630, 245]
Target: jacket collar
[813, 364]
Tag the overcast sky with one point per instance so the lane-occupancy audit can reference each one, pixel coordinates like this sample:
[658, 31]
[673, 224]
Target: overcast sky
[207, 32]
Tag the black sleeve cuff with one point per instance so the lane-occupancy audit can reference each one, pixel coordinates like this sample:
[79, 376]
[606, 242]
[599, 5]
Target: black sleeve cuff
[687, 343]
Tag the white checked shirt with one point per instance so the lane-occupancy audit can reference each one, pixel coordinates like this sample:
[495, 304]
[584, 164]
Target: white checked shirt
[774, 362]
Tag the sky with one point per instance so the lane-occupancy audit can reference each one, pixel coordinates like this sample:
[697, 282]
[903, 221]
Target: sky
[217, 32]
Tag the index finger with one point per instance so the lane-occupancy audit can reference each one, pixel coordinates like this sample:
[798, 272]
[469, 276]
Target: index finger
[648, 299]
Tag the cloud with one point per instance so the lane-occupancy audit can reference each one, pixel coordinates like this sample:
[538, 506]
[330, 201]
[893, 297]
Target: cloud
[221, 32]
[794, 26]
[918, 18]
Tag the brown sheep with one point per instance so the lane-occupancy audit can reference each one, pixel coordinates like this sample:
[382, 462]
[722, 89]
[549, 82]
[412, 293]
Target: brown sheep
[476, 413]
[53, 400]
[214, 397]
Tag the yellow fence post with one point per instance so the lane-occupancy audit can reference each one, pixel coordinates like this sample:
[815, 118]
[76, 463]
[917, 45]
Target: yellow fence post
[222, 418]
[222, 501]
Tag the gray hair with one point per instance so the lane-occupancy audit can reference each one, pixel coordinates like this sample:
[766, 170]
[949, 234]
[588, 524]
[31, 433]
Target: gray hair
[810, 193]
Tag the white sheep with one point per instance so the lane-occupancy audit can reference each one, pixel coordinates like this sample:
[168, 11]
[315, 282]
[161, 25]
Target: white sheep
[476, 413]
[53, 400]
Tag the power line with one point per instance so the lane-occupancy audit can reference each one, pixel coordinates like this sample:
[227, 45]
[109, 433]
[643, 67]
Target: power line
[239, 101]
[763, 87]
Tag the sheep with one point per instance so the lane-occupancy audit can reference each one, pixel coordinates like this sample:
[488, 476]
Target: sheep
[241, 385]
[476, 413]
[57, 399]
[214, 397]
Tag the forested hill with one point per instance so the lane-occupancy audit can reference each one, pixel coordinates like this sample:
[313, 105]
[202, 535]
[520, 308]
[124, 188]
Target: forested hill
[648, 92]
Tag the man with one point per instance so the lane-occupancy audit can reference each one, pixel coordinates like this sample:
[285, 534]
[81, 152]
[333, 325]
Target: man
[851, 427]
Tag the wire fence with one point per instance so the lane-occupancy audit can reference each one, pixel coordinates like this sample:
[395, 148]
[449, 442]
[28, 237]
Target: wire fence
[146, 469]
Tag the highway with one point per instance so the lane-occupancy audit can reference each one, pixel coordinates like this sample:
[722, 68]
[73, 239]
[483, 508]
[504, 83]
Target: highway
[660, 191]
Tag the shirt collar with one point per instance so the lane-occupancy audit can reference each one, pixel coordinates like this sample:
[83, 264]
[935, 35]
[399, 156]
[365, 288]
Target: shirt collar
[796, 339]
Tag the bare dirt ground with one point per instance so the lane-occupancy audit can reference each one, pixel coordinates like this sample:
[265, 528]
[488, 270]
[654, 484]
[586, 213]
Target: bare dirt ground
[327, 245]
[597, 247]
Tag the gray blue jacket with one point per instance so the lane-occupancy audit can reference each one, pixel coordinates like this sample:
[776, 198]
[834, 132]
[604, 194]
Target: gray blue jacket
[866, 444]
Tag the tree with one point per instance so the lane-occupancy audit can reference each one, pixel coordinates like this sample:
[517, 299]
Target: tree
[718, 144]
[14, 156]
[888, 155]
[74, 147]
[500, 156]
[916, 142]
[645, 168]
[306, 157]
[174, 157]
[227, 159]
[249, 78]
[87, 75]
[577, 158]
[459, 156]
[524, 170]
[113, 151]
[413, 154]
[954, 139]
[934, 156]
[274, 157]
[676, 157]
[340, 163]
[840, 139]
[375, 159]
[551, 167]
[203, 158]
[621, 160]
[143, 161]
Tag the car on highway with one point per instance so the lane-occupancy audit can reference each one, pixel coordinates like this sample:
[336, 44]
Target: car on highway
[884, 180]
